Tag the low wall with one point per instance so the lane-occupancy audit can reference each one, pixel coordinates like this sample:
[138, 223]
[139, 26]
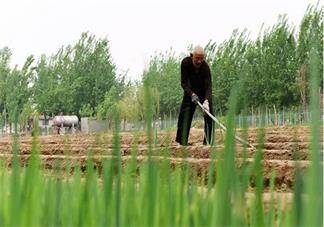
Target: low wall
[91, 125]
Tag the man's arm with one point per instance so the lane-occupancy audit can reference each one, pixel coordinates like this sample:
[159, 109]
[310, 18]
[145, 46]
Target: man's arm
[185, 84]
[208, 85]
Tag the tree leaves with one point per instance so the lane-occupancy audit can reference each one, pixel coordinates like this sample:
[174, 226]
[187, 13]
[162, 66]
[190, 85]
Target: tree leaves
[76, 76]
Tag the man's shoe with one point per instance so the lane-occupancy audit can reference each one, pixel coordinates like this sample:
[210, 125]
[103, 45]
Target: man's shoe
[188, 144]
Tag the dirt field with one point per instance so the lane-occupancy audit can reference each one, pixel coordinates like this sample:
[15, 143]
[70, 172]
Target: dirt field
[284, 148]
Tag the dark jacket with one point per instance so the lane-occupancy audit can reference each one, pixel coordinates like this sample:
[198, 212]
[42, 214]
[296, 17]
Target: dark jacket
[196, 81]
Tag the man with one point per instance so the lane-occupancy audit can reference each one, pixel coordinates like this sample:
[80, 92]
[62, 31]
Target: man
[197, 86]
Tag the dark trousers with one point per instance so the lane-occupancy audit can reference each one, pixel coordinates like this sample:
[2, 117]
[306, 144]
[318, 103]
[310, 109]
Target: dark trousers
[187, 111]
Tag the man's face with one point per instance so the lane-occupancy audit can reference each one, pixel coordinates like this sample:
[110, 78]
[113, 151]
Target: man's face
[197, 59]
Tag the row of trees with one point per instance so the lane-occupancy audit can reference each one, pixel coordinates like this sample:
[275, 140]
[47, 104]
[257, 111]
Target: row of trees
[271, 70]
[81, 78]
[76, 80]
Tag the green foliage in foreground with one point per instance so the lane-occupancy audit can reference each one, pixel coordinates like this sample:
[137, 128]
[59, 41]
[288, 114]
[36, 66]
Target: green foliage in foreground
[156, 195]
[153, 193]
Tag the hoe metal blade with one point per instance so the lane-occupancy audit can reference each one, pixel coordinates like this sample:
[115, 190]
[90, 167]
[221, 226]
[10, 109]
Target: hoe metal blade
[223, 127]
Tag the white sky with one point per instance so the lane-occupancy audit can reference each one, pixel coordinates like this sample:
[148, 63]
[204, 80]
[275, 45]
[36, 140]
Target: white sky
[136, 29]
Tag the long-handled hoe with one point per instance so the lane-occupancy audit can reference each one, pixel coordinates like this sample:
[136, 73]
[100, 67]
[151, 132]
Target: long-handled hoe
[223, 127]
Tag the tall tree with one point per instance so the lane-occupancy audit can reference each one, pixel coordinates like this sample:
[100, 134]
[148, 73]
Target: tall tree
[310, 31]
[18, 90]
[76, 76]
[5, 55]
[164, 75]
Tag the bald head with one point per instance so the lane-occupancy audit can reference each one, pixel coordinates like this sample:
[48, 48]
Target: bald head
[198, 50]
[198, 55]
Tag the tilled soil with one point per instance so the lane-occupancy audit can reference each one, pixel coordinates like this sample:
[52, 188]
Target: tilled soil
[284, 148]
[284, 169]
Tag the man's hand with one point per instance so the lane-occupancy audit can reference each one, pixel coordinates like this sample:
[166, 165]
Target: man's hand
[206, 105]
[194, 98]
